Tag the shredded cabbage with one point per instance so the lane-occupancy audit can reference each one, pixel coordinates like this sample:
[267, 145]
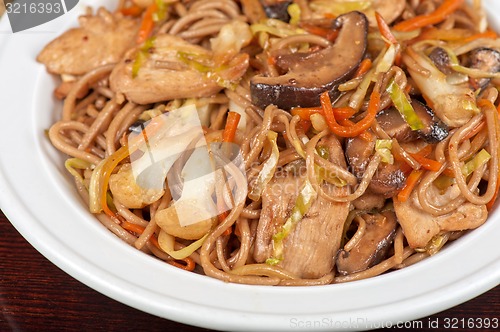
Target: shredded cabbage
[166, 242]
[479, 159]
[337, 8]
[142, 55]
[268, 169]
[72, 164]
[404, 107]
[383, 147]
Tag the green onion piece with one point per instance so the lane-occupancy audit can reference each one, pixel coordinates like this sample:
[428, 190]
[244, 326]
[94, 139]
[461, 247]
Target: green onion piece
[471, 72]
[302, 205]
[161, 13]
[272, 261]
[141, 56]
[72, 164]
[386, 62]
[275, 27]
[166, 242]
[321, 172]
[323, 152]
[404, 107]
[338, 8]
[204, 65]
[268, 169]
[383, 147]
[479, 159]
[443, 182]
[194, 61]
[436, 243]
[294, 12]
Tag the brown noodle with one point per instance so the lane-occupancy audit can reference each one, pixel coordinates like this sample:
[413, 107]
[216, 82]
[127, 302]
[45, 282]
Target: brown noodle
[94, 127]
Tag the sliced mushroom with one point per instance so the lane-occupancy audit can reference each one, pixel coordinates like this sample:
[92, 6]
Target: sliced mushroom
[387, 180]
[395, 126]
[434, 130]
[316, 72]
[369, 201]
[485, 59]
[277, 9]
[373, 245]
[358, 152]
[441, 60]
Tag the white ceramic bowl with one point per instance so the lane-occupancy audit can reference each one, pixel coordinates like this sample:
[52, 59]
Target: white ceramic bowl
[38, 197]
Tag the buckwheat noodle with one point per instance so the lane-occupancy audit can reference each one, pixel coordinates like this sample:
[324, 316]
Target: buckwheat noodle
[96, 121]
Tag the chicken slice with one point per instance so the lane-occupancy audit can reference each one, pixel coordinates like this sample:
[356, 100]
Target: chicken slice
[310, 248]
[173, 68]
[420, 226]
[100, 40]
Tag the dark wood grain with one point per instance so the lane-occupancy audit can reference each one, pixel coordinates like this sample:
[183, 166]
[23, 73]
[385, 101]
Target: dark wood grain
[35, 295]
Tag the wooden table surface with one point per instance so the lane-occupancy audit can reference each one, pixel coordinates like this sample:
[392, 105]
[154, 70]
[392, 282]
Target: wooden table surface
[35, 295]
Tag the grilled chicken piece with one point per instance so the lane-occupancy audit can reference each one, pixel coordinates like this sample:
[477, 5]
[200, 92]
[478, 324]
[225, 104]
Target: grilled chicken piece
[372, 247]
[310, 247]
[100, 40]
[420, 227]
[163, 74]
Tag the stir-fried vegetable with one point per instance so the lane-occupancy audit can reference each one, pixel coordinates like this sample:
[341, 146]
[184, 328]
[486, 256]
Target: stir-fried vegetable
[268, 169]
[336, 8]
[453, 104]
[477, 161]
[166, 243]
[440, 14]
[403, 105]
[383, 148]
[354, 129]
[232, 121]
[141, 56]
[72, 164]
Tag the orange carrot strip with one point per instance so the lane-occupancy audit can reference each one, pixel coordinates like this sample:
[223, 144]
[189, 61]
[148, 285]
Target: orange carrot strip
[188, 266]
[488, 34]
[384, 29]
[133, 10]
[305, 112]
[364, 67]
[147, 24]
[341, 113]
[330, 34]
[138, 229]
[410, 183]
[439, 15]
[357, 128]
[232, 121]
[441, 34]
[429, 164]
[305, 125]
[365, 135]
